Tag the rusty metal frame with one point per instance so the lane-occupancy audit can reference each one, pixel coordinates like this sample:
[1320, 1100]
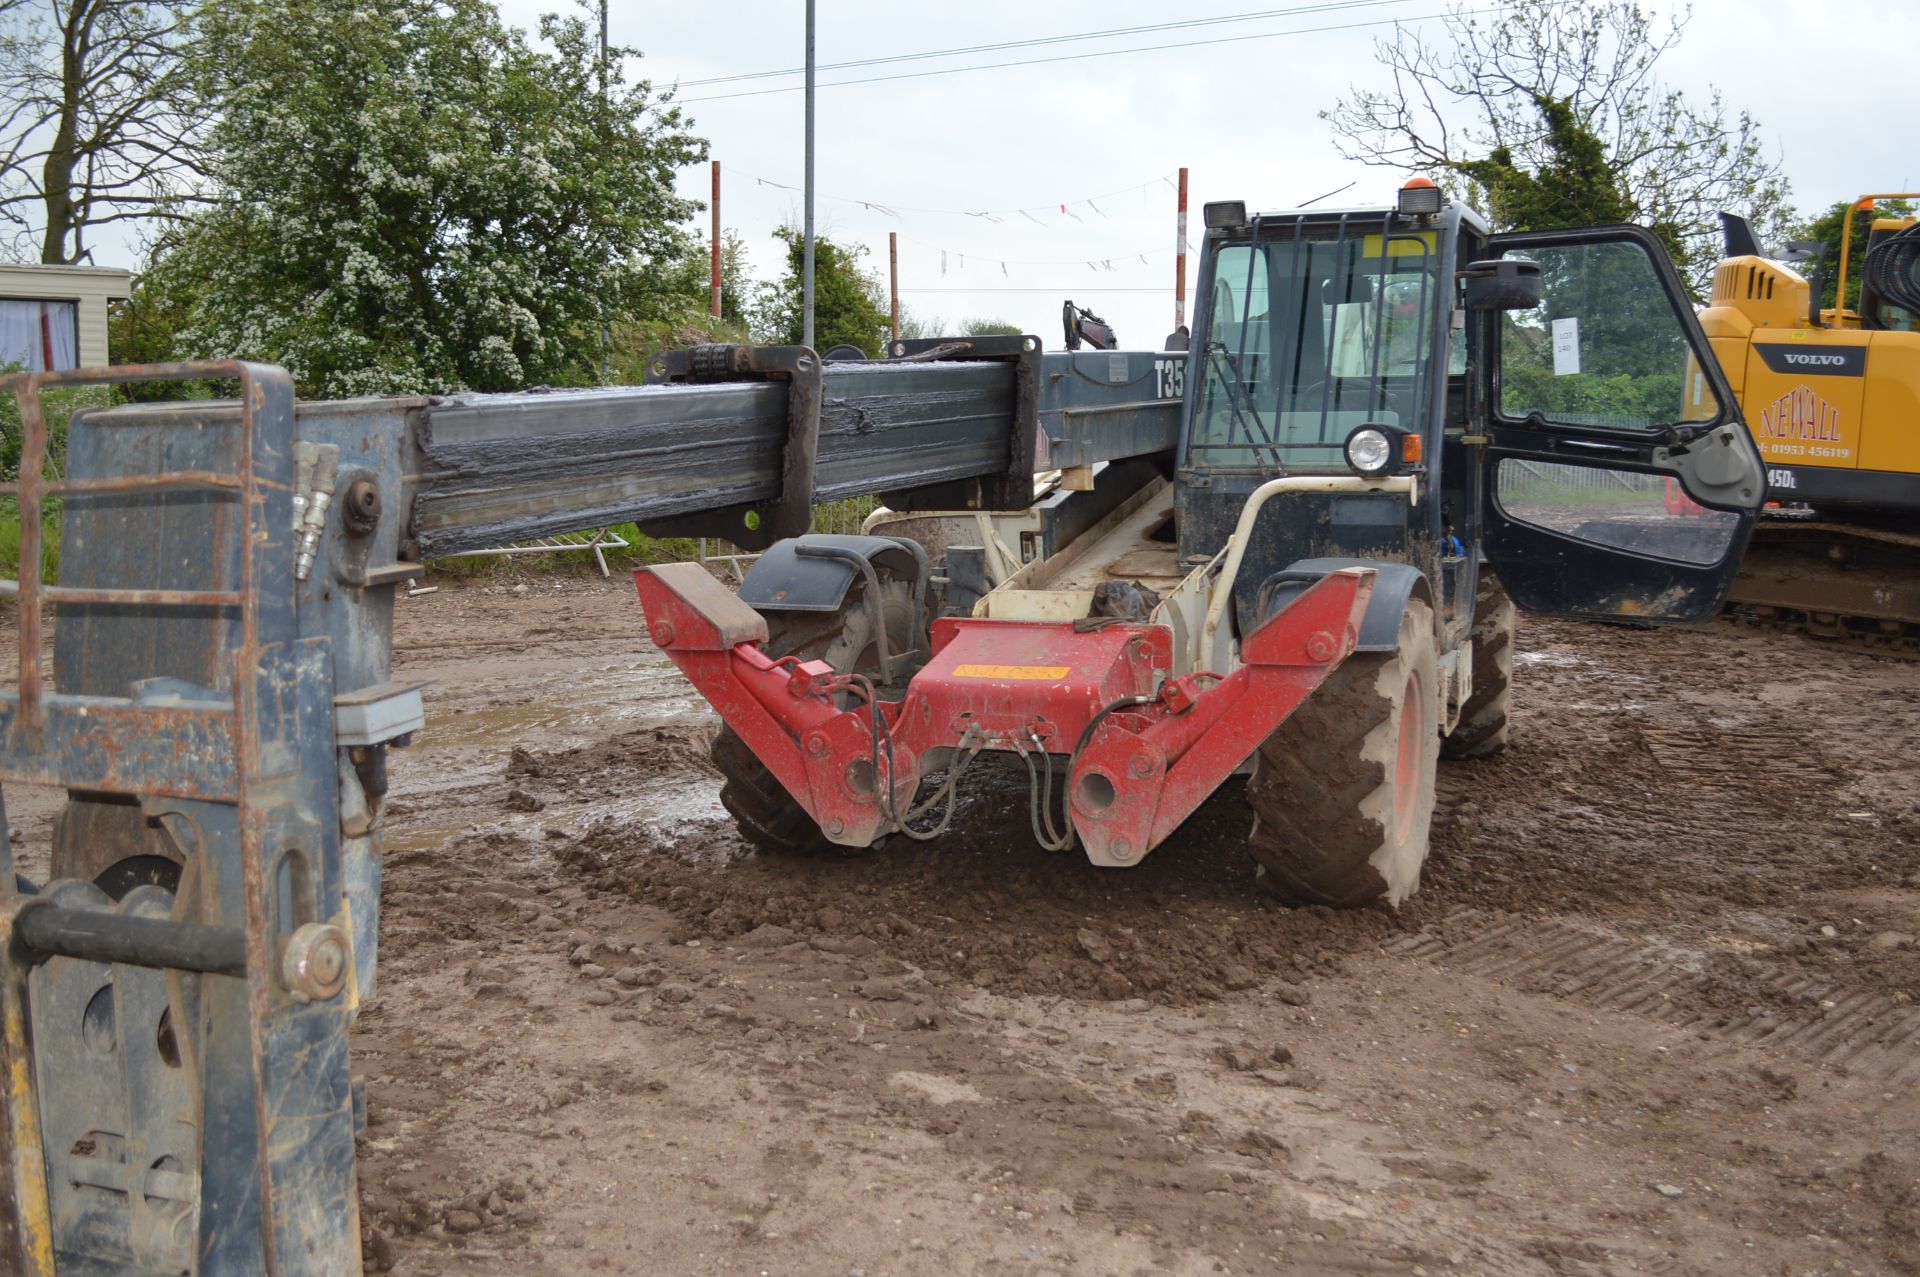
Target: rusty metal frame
[33, 485]
[256, 767]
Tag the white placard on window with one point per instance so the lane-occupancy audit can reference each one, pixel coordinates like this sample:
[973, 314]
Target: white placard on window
[1566, 347]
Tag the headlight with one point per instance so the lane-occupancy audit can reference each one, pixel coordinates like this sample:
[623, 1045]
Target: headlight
[1370, 451]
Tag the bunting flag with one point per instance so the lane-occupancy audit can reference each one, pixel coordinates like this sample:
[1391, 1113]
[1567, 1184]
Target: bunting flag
[888, 209]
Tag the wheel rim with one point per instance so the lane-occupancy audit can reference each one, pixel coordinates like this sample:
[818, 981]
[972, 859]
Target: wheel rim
[1406, 770]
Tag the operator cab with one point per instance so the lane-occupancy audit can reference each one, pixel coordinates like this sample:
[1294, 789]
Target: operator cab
[1460, 397]
[1327, 346]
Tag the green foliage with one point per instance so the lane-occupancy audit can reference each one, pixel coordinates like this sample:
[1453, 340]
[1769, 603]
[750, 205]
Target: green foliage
[849, 304]
[689, 280]
[416, 198]
[145, 328]
[1556, 103]
[685, 309]
[1574, 185]
[10, 543]
[1616, 399]
[990, 328]
[58, 405]
[1826, 230]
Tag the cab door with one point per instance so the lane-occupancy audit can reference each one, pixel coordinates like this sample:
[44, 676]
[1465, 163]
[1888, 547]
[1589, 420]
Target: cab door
[1619, 480]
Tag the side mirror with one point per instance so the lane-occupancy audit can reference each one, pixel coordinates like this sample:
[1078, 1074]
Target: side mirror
[1509, 283]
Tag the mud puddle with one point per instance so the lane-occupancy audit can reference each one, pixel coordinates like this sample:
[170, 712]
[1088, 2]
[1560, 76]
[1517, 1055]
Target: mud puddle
[570, 709]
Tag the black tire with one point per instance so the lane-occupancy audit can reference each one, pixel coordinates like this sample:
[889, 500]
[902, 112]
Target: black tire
[767, 815]
[1485, 726]
[1342, 792]
[107, 840]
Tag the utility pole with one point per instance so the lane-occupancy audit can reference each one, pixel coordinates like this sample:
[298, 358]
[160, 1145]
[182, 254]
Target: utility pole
[806, 261]
[893, 278]
[606, 323]
[1180, 258]
[716, 239]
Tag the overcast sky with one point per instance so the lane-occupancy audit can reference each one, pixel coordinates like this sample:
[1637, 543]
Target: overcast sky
[1104, 135]
[1242, 116]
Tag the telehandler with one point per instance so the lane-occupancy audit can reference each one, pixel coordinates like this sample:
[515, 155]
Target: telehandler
[1394, 426]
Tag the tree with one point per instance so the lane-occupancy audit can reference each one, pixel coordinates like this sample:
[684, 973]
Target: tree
[413, 198]
[690, 282]
[914, 326]
[990, 328]
[1510, 91]
[100, 123]
[1825, 230]
[1573, 186]
[849, 304]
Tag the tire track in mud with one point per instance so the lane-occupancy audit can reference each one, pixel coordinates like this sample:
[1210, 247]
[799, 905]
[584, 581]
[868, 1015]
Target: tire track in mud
[1870, 1034]
[1042, 1066]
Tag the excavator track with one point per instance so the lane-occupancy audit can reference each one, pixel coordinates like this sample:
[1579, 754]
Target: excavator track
[1842, 582]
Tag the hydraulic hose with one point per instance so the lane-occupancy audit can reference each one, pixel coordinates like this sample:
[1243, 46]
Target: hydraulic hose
[1892, 270]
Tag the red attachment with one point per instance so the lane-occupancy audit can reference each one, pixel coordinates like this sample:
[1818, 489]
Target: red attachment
[1678, 502]
[1014, 686]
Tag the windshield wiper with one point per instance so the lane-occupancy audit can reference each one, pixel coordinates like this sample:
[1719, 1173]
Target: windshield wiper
[1218, 356]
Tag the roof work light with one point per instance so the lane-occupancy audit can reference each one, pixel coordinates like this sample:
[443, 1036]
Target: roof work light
[1420, 198]
[1225, 215]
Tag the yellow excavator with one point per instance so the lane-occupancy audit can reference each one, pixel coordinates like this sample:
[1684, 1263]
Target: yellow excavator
[1832, 397]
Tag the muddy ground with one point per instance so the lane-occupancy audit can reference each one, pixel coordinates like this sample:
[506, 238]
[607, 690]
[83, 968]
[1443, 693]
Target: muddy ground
[1652, 1011]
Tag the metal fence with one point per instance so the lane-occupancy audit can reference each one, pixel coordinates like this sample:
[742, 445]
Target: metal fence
[1523, 478]
[843, 518]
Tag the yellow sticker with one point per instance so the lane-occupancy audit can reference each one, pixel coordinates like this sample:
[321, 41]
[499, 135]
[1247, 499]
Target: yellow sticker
[1421, 244]
[1035, 673]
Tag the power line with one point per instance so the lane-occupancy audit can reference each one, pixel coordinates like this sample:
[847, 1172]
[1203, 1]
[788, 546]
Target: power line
[1330, 5]
[1065, 290]
[1103, 53]
[991, 214]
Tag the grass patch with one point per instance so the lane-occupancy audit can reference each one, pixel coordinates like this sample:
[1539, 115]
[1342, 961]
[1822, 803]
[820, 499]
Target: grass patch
[10, 543]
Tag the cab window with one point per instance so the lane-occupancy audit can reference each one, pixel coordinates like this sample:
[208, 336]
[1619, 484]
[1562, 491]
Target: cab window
[1605, 347]
[1310, 334]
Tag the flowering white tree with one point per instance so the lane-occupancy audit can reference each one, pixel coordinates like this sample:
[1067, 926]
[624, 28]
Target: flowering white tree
[414, 198]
